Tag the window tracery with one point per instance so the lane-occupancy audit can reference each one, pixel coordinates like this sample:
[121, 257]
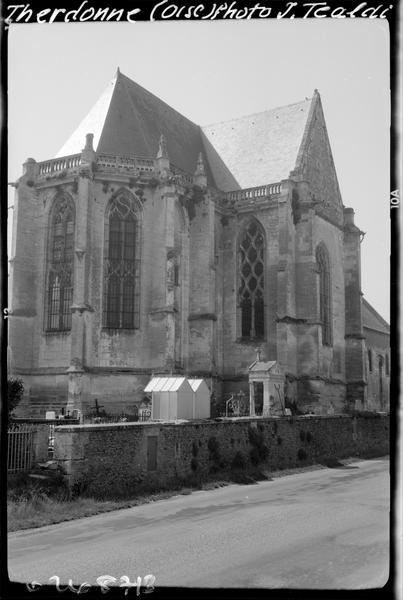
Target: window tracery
[60, 267]
[251, 276]
[122, 265]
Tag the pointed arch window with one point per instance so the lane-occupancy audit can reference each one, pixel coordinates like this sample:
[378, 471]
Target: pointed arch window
[251, 279]
[323, 266]
[60, 267]
[122, 264]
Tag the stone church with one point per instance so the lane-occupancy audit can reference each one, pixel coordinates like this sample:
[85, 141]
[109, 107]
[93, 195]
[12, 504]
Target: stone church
[153, 245]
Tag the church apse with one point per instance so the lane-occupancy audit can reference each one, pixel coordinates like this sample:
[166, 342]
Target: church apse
[184, 250]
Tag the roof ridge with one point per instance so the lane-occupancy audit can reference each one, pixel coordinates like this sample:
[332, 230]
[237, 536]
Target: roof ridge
[125, 77]
[260, 112]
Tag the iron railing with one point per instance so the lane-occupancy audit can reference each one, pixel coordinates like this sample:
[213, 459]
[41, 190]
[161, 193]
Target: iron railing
[20, 447]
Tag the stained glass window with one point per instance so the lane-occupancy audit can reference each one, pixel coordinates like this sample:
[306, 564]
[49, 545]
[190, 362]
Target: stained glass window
[60, 266]
[322, 260]
[251, 277]
[122, 265]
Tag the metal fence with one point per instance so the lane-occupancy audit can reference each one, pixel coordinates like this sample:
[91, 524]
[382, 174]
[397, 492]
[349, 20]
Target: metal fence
[144, 415]
[20, 447]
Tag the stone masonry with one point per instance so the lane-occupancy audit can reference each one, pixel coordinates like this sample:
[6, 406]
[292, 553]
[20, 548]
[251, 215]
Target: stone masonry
[194, 192]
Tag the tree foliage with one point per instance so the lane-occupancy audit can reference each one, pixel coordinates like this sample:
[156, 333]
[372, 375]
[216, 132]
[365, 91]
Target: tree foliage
[15, 391]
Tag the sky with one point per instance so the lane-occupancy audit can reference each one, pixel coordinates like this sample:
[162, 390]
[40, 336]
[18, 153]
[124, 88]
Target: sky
[215, 71]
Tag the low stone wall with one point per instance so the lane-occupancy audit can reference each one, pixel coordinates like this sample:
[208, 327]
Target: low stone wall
[124, 458]
[41, 442]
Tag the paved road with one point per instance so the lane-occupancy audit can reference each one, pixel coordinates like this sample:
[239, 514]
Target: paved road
[326, 528]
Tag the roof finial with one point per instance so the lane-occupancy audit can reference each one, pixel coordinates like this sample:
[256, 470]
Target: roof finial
[258, 354]
[200, 178]
[89, 138]
[200, 165]
[162, 160]
[88, 153]
[117, 72]
[162, 148]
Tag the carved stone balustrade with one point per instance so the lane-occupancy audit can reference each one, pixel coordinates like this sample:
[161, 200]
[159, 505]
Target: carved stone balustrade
[56, 166]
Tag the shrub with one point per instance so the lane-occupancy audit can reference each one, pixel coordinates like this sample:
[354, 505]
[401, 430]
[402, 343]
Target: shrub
[302, 435]
[254, 436]
[194, 465]
[23, 488]
[195, 449]
[279, 440]
[256, 440]
[239, 460]
[302, 455]
[254, 456]
[213, 444]
[214, 448]
[15, 392]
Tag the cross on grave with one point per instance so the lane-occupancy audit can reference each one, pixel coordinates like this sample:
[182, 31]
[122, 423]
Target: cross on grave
[97, 406]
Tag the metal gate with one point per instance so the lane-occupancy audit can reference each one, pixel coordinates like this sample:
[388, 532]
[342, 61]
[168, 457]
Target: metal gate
[20, 448]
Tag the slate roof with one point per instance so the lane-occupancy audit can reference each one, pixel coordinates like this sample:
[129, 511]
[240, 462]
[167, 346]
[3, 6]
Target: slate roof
[256, 149]
[128, 120]
[372, 319]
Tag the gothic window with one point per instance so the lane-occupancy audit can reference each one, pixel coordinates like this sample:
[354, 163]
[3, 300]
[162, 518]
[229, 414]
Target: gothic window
[60, 267]
[251, 278]
[322, 260]
[370, 361]
[387, 364]
[122, 264]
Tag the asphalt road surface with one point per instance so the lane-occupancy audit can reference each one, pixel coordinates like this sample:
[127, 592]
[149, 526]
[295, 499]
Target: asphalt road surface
[326, 528]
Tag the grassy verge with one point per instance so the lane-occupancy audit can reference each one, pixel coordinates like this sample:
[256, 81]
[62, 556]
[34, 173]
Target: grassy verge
[30, 506]
[40, 510]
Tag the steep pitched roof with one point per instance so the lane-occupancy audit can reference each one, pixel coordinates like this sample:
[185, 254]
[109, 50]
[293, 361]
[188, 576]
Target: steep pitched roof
[128, 120]
[93, 122]
[262, 148]
[256, 149]
[372, 319]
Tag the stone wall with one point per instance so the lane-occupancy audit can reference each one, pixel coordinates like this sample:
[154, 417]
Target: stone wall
[115, 459]
[378, 344]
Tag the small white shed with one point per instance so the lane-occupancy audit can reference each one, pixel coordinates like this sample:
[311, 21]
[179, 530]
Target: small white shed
[172, 398]
[201, 399]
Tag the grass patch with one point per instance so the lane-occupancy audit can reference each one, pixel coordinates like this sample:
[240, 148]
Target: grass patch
[30, 506]
[34, 508]
[41, 511]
